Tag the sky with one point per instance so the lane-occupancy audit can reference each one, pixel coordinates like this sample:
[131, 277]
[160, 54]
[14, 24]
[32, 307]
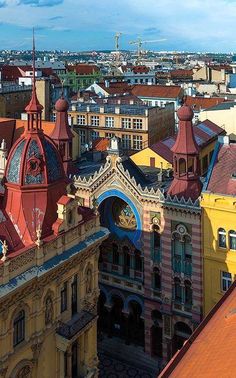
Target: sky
[82, 25]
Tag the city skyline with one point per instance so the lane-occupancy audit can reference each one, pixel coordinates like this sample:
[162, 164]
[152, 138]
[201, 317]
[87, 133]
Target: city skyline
[199, 26]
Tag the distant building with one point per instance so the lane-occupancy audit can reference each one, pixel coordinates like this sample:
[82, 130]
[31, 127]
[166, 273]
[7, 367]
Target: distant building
[138, 75]
[80, 76]
[219, 223]
[110, 88]
[224, 114]
[137, 126]
[13, 100]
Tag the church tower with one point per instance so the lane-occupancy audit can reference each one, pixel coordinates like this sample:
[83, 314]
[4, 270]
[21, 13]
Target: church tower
[186, 181]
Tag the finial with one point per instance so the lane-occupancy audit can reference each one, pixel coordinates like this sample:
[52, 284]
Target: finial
[38, 241]
[33, 54]
[3, 145]
[4, 251]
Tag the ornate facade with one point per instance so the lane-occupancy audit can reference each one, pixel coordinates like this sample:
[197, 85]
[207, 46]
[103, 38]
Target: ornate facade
[150, 267]
[49, 249]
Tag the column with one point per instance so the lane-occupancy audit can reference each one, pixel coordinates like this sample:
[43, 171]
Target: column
[127, 336]
[109, 321]
[69, 362]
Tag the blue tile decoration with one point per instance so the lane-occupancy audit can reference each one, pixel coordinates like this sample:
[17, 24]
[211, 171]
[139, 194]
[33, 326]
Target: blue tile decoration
[13, 174]
[53, 163]
[34, 150]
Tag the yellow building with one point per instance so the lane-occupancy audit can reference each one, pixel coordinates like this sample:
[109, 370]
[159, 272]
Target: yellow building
[137, 126]
[223, 114]
[219, 223]
[159, 155]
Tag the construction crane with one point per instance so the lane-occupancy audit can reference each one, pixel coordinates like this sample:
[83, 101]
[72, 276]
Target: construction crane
[139, 42]
[117, 37]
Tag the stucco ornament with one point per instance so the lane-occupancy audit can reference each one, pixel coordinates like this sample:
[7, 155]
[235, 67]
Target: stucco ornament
[34, 166]
[4, 251]
[48, 310]
[25, 372]
[88, 281]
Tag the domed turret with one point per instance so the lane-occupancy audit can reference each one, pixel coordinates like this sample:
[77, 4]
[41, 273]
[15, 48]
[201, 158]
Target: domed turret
[35, 178]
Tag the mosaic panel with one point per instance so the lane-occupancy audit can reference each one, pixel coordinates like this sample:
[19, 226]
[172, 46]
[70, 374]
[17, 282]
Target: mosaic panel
[13, 174]
[53, 162]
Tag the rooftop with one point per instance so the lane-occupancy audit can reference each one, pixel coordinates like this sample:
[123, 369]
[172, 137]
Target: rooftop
[204, 133]
[109, 108]
[200, 103]
[210, 350]
[162, 91]
[222, 172]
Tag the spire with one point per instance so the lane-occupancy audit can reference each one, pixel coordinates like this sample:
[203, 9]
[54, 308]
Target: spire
[62, 134]
[186, 181]
[34, 108]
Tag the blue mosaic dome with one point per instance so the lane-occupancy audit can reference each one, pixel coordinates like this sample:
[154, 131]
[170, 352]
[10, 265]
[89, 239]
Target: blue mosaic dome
[34, 160]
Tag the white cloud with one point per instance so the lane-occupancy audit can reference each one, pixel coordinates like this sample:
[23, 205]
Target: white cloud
[199, 24]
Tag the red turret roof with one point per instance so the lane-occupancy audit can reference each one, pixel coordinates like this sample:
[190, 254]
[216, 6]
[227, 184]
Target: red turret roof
[61, 130]
[185, 142]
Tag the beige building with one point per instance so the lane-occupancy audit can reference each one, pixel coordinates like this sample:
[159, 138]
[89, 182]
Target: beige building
[136, 126]
[224, 115]
[13, 100]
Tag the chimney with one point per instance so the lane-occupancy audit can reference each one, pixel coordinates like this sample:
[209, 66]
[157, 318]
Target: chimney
[117, 110]
[107, 83]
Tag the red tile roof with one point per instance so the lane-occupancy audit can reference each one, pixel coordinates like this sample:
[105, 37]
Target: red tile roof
[118, 87]
[210, 350]
[200, 103]
[100, 144]
[204, 133]
[221, 180]
[181, 74]
[162, 91]
[84, 69]
[10, 73]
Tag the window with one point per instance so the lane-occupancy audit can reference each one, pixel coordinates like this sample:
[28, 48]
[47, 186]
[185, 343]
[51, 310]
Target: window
[81, 120]
[226, 280]
[137, 123]
[94, 135]
[82, 136]
[156, 237]
[109, 135]
[222, 238]
[156, 279]
[64, 297]
[115, 254]
[232, 239]
[138, 261]
[137, 142]
[74, 296]
[19, 328]
[94, 120]
[126, 123]
[188, 292]
[109, 122]
[126, 142]
[54, 116]
[177, 290]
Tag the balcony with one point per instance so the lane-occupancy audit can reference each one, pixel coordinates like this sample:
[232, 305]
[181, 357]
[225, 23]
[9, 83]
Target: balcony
[75, 325]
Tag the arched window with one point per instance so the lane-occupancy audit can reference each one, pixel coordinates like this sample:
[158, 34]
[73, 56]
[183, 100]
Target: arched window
[115, 254]
[182, 167]
[222, 238]
[156, 237]
[156, 279]
[177, 290]
[232, 239]
[138, 261]
[19, 328]
[188, 292]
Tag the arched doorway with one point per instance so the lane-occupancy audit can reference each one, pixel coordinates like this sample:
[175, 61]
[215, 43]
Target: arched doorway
[181, 333]
[117, 317]
[135, 324]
